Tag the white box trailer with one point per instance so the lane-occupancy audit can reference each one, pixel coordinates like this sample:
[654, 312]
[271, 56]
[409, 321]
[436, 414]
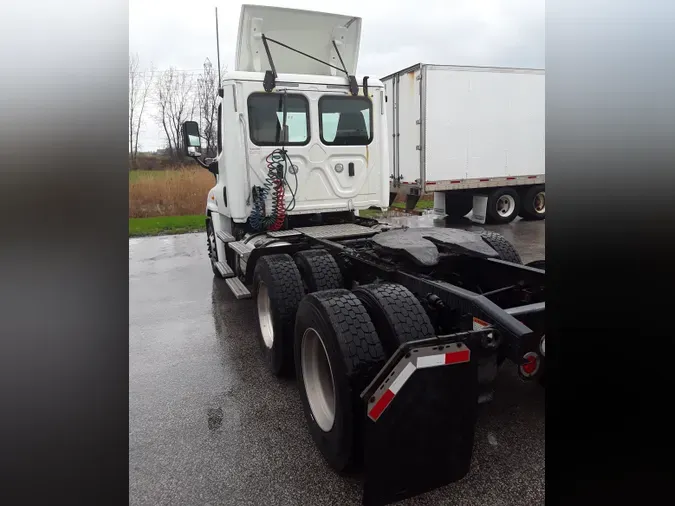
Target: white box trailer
[468, 131]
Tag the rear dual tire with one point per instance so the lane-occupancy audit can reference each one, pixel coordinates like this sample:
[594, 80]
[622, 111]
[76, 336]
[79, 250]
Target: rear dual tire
[277, 290]
[337, 353]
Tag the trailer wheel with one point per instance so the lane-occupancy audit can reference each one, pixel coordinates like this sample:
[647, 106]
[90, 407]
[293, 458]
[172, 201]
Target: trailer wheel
[277, 289]
[502, 246]
[319, 270]
[337, 353]
[457, 204]
[503, 205]
[396, 313]
[533, 205]
[211, 247]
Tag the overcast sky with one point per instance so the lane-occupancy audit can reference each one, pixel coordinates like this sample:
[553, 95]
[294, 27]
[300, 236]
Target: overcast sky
[394, 34]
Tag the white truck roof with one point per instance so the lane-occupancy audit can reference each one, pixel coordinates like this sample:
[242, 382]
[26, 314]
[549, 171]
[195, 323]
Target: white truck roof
[311, 32]
[283, 78]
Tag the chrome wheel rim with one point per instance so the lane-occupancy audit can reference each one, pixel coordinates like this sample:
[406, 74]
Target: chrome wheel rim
[539, 203]
[505, 206]
[265, 315]
[317, 377]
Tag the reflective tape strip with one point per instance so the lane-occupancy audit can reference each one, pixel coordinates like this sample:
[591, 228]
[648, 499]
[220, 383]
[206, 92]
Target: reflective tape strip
[381, 405]
[431, 361]
[402, 378]
[458, 356]
[455, 357]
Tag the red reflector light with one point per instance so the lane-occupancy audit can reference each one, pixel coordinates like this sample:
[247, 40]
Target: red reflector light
[483, 180]
[530, 365]
[455, 182]
[510, 178]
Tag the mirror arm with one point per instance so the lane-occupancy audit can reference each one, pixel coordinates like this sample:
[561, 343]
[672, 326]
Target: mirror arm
[196, 159]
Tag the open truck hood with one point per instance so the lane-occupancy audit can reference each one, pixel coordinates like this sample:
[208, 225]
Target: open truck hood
[307, 31]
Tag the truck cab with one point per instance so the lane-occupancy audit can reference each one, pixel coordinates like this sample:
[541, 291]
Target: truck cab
[335, 143]
[298, 132]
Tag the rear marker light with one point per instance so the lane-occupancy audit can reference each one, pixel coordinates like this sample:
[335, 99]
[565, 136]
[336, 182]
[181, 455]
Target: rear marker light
[530, 367]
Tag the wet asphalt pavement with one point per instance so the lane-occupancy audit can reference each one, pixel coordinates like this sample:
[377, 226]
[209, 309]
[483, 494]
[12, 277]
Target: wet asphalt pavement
[208, 425]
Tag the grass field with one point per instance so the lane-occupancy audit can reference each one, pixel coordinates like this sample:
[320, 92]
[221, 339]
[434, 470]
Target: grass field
[173, 201]
[164, 225]
[168, 192]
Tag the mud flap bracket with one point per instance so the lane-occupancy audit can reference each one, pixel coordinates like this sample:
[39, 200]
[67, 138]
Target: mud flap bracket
[420, 417]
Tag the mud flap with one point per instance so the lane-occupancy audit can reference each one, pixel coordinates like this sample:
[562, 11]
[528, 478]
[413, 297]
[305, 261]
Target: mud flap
[421, 412]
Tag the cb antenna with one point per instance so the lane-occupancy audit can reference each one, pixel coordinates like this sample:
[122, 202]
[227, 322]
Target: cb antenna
[218, 50]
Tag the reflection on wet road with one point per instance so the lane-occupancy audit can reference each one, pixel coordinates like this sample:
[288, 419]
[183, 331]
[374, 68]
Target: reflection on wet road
[209, 425]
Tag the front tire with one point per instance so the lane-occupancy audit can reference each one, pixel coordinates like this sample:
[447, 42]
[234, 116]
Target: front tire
[212, 248]
[277, 290]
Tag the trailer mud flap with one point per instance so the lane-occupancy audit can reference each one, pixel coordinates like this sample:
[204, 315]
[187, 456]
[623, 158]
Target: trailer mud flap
[421, 413]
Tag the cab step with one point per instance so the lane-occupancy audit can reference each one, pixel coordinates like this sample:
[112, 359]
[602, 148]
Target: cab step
[238, 288]
[241, 248]
[224, 269]
[224, 236]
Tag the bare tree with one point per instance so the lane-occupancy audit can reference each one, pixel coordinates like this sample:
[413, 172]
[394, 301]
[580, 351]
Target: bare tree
[175, 105]
[146, 83]
[139, 87]
[207, 91]
[133, 101]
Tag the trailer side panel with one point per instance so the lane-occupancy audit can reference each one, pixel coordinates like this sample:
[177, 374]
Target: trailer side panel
[483, 123]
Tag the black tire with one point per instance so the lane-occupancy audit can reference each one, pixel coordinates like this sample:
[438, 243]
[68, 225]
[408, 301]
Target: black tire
[278, 277]
[355, 356]
[458, 204]
[319, 270]
[211, 247]
[538, 264]
[499, 243]
[494, 198]
[531, 202]
[396, 313]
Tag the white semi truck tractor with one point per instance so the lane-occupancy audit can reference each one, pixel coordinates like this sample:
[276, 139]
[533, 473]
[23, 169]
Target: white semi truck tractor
[394, 334]
[463, 132]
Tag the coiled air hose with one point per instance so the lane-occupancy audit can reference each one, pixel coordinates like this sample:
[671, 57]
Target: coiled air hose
[278, 164]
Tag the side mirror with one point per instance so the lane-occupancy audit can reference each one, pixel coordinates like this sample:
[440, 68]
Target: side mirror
[191, 141]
